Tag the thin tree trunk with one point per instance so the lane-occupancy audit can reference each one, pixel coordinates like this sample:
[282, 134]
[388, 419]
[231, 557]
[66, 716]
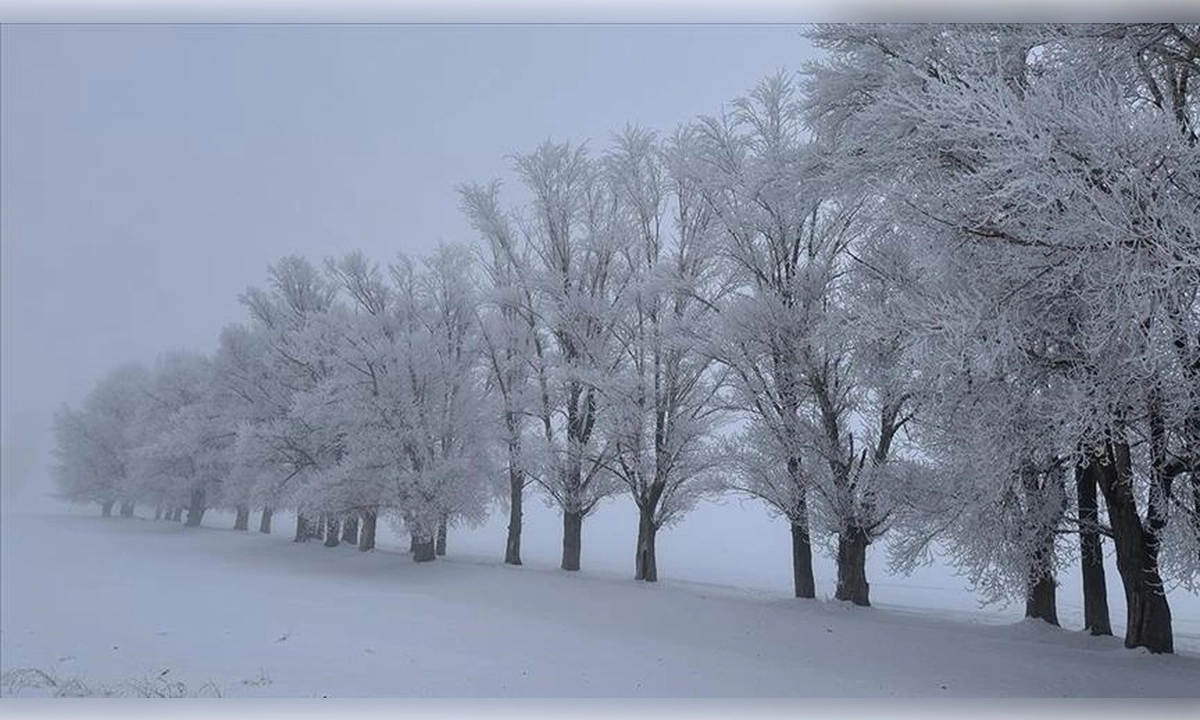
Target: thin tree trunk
[177, 514]
[332, 531]
[158, 512]
[242, 521]
[646, 562]
[196, 508]
[572, 539]
[1091, 553]
[440, 541]
[516, 489]
[126, 509]
[1148, 615]
[802, 566]
[303, 533]
[350, 529]
[852, 566]
[423, 549]
[264, 523]
[366, 536]
[106, 509]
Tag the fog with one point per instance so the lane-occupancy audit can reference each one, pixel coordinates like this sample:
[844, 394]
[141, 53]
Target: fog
[149, 174]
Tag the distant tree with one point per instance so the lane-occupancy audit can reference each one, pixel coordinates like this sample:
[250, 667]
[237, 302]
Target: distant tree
[95, 445]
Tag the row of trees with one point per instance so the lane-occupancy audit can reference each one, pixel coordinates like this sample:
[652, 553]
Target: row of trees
[943, 288]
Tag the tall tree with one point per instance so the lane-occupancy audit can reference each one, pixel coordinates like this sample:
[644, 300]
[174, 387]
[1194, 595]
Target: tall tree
[661, 400]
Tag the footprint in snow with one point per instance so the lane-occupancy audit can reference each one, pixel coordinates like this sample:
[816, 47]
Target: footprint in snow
[283, 637]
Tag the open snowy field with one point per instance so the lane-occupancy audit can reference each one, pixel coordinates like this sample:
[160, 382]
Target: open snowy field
[240, 614]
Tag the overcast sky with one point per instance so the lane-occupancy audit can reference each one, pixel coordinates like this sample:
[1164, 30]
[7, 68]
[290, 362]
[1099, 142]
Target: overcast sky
[149, 174]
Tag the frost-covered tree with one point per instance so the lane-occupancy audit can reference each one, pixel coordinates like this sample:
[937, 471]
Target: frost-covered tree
[184, 450]
[245, 393]
[446, 447]
[291, 446]
[95, 444]
[510, 342]
[571, 290]
[661, 400]
[1048, 165]
[404, 394]
[789, 335]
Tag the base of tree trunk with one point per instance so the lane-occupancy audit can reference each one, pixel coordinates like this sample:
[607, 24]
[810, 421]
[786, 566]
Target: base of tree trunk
[333, 531]
[264, 523]
[1091, 552]
[366, 536]
[242, 521]
[439, 544]
[1148, 615]
[177, 515]
[802, 567]
[196, 508]
[423, 550]
[1041, 600]
[646, 561]
[852, 585]
[106, 509]
[572, 539]
[303, 533]
[158, 512]
[512, 544]
[350, 530]
[126, 509]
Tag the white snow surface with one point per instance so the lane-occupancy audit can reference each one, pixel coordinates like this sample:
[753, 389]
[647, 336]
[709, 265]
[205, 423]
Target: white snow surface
[107, 600]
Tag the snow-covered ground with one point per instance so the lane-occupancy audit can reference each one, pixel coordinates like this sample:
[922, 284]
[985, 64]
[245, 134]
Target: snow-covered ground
[110, 601]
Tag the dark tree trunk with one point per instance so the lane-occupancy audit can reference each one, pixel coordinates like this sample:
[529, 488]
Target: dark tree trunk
[350, 530]
[1148, 616]
[303, 532]
[332, 531]
[158, 512]
[177, 514]
[440, 543]
[423, 549]
[126, 509]
[196, 508]
[646, 562]
[803, 583]
[1091, 553]
[1040, 596]
[802, 567]
[572, 539]
[1040, 589]
[366, 537]
[242, 521]
[852, 566]
[106, 509]
[264, 523]
[516, 489]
